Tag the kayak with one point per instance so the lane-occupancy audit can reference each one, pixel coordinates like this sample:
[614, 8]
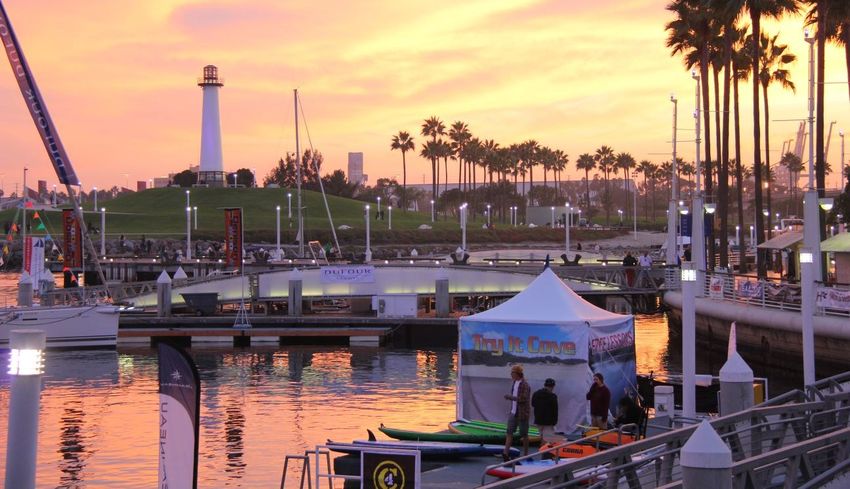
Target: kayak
[532, 466]
[489, 427]
[436, 449]
[451, 437]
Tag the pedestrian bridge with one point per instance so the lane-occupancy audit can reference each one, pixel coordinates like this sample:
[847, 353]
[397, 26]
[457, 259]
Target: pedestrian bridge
[414, 279]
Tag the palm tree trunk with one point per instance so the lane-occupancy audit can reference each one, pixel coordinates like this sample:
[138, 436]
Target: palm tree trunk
[769, 223]
[706, 117]
[404, 182]
[434, 181]
[846, 43]
[459, 168]
[739, 178]
[646, 196]
[587, 190]
[755, 18]
[446, 169]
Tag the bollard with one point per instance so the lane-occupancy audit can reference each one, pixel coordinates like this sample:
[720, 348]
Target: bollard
[736, 385]
[442, 298]
[706, 461]
[664, 404]
[296, 286]
[25, 367]
[25, 290]
[163, 295]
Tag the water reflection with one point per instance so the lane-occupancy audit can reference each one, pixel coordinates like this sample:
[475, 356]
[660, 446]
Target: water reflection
[71, 446]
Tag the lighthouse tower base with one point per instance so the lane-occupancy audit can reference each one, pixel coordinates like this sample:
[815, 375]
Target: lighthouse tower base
[212, 179]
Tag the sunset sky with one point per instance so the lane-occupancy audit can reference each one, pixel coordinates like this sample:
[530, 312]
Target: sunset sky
[119, 79]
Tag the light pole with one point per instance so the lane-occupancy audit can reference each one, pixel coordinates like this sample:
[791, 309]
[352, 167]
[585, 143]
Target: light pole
[277, 229]
[195, 211]
[379, 208]
[188, 233]
[390, 223]
[103, 232]
[26, 366]
[807, 310]
[94, 191]
[738, 241]
[289, 207]
[432, 210]
[698, 224]
[488, 216]
[811, 216]
[463, 225]
[620, 212]
[553, 216]
[683, 211]
[368, 257]
[568, 220]
[689, 282]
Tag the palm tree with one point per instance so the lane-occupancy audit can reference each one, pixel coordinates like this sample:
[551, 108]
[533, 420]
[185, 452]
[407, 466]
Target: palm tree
[586, 162]
[605, 160]
[794, 165]
[433, 127]
[626, 162]
[459, 135]
[404, 143]
[741, 69]
[648, 169]
[561, 161]
[774, 57]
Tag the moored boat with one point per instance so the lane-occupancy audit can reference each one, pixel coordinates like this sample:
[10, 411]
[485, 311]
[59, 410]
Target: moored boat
[448, 437]
[481, 428]
[64, 327]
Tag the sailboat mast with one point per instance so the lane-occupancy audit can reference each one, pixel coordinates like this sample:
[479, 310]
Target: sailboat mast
[298, 180]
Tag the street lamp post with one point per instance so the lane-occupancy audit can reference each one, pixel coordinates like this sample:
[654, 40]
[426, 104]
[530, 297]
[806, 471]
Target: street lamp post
[807, 310]
[811, 216]
[698, 224]
[432, 210]
[672, 214]
[94, 191]
[463, 225]
[26, 366]
[620, 212]
[738, 240]
[390, 223]
[379, 208]
[689, 282]
[103, 232]
[553, 216]
[568, 220]
[277, 229]
[488, 216]
[289, 208]
[195, 212]
[188, 233]
[368, 257]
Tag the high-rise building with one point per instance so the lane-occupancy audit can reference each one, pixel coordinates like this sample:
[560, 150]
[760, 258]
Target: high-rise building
[211, 172]
[355, 169]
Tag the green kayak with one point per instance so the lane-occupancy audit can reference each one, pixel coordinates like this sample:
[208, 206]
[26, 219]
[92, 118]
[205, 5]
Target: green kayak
[476, 427]
[482, 437]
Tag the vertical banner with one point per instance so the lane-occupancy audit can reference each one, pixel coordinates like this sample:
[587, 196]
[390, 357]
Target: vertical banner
[612, 353]
[73, 239]
[685, 224]
[35, 103]
[28, 254]
[34, 259]
[179, 409]
[233, 237]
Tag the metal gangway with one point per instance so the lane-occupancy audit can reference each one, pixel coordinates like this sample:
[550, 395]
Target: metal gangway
[800, 439]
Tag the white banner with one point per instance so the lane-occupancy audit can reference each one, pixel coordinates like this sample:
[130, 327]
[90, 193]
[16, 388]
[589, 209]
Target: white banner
[35, 264]
[715, 288]
[356, 274]
[833, 298]
[749, 288]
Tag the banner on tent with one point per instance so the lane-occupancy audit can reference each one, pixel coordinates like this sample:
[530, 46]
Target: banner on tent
[500, 344]
[233, 237]
[612, 353]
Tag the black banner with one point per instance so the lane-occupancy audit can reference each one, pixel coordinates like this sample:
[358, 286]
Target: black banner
[179, 409]
[382, 470]
[35, 103]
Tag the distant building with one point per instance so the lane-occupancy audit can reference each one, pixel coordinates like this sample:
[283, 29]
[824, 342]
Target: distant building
[42, 187]
[161, 182]
[355, 169]
[141, 185]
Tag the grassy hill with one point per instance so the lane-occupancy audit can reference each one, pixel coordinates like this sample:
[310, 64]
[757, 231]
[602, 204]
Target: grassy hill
[162, 213]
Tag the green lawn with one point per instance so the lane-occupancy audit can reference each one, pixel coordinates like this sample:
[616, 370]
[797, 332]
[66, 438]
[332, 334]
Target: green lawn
[162, 212]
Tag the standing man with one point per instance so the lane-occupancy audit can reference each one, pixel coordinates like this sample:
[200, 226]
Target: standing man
[520, 411]
[600, 401]
[545, 404]
[645, 260]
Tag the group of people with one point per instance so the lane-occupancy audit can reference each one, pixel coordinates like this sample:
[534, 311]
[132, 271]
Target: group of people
[544, 402]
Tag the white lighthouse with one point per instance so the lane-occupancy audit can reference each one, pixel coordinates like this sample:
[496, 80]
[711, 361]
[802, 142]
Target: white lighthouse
[211, 172]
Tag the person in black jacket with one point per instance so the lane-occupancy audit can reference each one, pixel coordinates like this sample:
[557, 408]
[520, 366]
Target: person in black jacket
[545, 404]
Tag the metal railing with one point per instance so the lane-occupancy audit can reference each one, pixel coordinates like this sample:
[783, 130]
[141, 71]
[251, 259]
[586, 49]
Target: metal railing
[798, 430]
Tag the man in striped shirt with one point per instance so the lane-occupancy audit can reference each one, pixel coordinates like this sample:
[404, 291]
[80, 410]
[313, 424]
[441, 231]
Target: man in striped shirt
[520, 398]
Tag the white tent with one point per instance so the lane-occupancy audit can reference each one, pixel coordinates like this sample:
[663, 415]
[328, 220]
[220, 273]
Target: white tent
[551, 332]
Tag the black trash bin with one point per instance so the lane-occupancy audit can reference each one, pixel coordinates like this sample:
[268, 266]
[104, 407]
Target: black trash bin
[203, 303]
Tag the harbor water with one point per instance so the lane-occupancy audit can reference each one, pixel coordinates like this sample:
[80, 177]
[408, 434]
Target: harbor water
[99, 425]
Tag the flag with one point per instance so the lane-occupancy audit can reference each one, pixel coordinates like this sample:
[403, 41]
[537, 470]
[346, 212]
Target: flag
[28, 205]
[179, 410]
[14, 227]
[40, 226]
[35, 215]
